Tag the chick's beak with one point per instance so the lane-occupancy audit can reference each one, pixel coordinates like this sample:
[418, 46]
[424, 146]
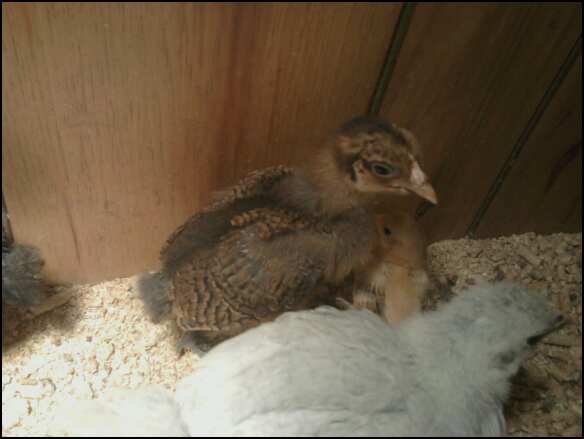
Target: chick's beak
[420, 186]
[558, 323]
[426, 191]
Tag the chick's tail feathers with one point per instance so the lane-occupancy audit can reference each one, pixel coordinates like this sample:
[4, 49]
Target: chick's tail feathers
[154, 292]
[22, 282]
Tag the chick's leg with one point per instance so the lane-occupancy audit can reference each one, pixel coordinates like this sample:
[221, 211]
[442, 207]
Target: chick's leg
[363, 294]
[361, 300]
[365, 299]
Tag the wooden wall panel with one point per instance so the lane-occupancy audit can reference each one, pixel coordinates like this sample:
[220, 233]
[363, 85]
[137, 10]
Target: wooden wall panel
[118, 119]
[543, 191]
[467, 80]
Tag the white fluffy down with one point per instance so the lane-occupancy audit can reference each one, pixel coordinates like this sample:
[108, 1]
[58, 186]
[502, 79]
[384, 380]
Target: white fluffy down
[345, 373]
[149, 412]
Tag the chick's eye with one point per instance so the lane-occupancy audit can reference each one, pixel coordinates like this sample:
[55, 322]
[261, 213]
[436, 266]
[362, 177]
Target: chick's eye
[383, 170]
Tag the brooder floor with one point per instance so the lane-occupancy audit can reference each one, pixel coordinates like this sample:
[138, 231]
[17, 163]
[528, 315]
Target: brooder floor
[101, 339]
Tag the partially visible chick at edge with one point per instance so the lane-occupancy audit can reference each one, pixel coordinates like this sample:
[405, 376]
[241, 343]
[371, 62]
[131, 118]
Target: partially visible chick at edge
[24, 285]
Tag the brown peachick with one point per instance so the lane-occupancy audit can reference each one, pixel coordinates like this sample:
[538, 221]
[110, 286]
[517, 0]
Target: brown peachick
[282, 237]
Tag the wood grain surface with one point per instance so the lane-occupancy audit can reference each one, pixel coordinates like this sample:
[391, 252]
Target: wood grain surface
[119, 119]
[543, 191]
[467, 80]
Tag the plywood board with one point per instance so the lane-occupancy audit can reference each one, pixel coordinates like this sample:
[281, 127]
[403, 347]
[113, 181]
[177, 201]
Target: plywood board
[543, 191]
[119, 119]
[467, 81]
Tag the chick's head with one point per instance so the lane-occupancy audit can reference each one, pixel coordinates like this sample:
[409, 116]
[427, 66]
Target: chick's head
[501, 323]
[377, 157]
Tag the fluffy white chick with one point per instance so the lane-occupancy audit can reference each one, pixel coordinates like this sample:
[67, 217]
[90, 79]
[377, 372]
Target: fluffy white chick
[147, 412]
[328, 372]
[347, 373]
